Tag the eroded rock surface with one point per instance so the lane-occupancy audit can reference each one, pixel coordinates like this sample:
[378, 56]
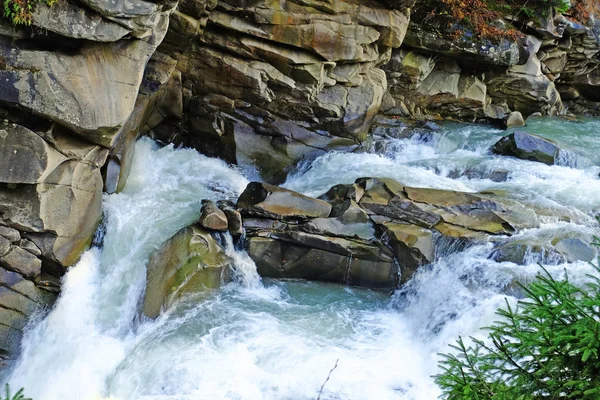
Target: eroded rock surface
[302, 77]
[374, 233]
[190, 262]
[72, 101]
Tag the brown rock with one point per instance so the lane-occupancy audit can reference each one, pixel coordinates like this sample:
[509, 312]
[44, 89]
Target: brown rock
[211, 217]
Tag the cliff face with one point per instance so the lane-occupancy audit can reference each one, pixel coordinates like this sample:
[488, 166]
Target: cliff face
[72, 92]
[255, 82]
[551, 67]
[270, 82]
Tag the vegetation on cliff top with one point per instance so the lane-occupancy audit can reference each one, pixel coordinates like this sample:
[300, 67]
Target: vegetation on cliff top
[545, 348]
[483, 17]
[20, 12]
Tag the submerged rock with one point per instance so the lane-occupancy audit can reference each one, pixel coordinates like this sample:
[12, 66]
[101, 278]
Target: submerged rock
[191, 261]
[538, 250]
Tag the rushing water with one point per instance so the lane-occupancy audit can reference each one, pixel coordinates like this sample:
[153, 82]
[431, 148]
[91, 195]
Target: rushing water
[279, 340]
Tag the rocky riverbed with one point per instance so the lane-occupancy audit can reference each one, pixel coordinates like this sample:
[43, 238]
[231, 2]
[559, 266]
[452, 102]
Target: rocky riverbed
[152, 150]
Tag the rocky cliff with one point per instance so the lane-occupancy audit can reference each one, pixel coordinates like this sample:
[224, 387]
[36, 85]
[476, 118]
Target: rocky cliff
[255, 82]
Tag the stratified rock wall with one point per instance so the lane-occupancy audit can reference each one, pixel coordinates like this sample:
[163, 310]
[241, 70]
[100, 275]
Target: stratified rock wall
[271, 82]
[548, 70]
[71, 99]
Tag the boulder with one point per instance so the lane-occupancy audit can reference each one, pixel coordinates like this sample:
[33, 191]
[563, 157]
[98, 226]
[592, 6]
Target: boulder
[264, 200]
[527, 146]
[287, 259]
[211, 217]
[514, 119]
[413, 247]
[52, 190]
[552, 251]
[191, 261]
[234, 218]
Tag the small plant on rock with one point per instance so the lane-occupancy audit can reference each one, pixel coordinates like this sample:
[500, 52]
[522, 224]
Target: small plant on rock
[20, 12]
[545, 348]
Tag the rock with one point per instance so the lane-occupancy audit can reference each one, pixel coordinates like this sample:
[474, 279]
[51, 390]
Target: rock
[109, 75]
[527, 146]
[11, 234]
[514, 119]
[264, 200]
[349, 212]
[77, 22]
[413, 247]
[21, 261]
[340, 193]
[211, 217]
[574, 249]
[505, 54]
[255, 226]
[335, 227]
[303, 78]
[544, 250]
[191, 261]
[282, 259]
[4, 246]
[19, 299]
[57, 192]
[234, 221]
[525, 252]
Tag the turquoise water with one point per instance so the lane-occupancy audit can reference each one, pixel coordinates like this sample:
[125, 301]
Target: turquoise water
[263, 339]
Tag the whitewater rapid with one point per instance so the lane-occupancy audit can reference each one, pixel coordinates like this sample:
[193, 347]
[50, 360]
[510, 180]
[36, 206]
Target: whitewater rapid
[264, 339]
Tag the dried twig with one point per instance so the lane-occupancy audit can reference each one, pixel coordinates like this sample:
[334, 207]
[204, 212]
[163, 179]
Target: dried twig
[327, 380]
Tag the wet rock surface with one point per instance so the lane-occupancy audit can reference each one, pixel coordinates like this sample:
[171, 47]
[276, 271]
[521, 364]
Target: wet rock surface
[527, 146]
[374, 233]
[191, 261]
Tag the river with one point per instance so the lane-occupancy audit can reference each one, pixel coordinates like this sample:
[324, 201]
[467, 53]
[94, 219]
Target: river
[265, 339]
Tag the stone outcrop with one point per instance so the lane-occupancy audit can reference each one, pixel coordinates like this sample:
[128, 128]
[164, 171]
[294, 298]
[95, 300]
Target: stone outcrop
[301, 77]
[527, 146]
[433, 75]
[72, 102]
[191, 261]
[374, 233]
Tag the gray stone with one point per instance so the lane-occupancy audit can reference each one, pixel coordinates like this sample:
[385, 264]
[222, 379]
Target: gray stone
[526, 146]
[514, 119]
[261, 199]
[283, 260]
[211, 217]
[21, 261]
[190, 262]
[11, 234]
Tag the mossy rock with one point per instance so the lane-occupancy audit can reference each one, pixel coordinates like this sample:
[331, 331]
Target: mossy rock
[191, 261]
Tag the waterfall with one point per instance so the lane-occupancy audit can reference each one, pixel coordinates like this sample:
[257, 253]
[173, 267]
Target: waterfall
[266, 339]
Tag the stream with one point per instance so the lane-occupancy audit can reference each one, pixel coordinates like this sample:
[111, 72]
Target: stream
[265, 339]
